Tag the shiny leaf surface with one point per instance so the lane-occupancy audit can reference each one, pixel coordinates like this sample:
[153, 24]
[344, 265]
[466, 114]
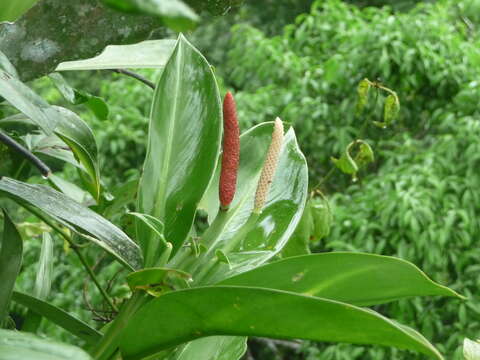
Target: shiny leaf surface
[43, 279]
[184, 140]
[199, 312]
[16, 345]
[354, 278]
[58, 316]
[146, 54]
[10, 262]
[212, 348]
[76, 217]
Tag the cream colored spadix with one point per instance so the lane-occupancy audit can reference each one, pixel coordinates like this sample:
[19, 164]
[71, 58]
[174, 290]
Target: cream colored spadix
[270, 165]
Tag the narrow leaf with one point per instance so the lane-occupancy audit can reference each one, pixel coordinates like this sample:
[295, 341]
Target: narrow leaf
[43, 279]
[76, 217]
[354, 278]
[58, 316]
[221, 310]
[10, 263]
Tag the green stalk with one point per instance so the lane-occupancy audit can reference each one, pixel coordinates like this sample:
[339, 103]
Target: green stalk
[108, 345]
[77, 251]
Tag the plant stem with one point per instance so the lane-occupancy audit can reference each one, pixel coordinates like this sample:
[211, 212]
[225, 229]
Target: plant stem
[324, 179]
[108, 345]
[77, 251]
[135, 76]
[39, 164]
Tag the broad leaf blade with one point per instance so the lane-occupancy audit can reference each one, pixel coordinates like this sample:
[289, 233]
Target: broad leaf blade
[146, 54]
[78, 218]
[184, 140]
[58, 316]
[16, 345]
[354, 278]
[279, 217]
[212, 348]
[10, 262]
[222, 310]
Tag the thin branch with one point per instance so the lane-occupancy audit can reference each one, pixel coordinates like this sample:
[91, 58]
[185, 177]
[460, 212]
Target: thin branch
[72, 244]
[135, 76]
[39, 164]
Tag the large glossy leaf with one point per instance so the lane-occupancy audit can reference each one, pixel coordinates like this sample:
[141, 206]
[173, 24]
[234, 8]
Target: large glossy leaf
[10, 10]
[10, 263]
[212, 348]
[279, 218]
[146, 54]
[15, 345]
[76, 217]
[174, 13]
[354, 278]
[183, 145]
[222, 310]
[58, 316]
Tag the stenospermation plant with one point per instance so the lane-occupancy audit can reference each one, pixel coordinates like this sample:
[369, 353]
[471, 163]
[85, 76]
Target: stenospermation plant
[196, 294]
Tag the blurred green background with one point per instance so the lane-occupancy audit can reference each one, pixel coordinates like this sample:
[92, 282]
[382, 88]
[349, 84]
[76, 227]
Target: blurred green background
[302, 60]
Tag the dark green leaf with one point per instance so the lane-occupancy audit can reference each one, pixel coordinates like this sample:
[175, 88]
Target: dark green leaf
[222, 310]
[15, 345]
[183, 145]
[10, 263]
[354, 278]
[174, 13]
[58, 316]
[76, 217]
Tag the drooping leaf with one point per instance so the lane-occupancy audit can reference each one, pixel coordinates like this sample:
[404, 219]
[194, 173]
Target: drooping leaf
[174, 13]
[58, 316]
[15, 345]
[298, 244]
[43, 279]
[10, 263]
[146, 54]
[70, 189]
[391, 108]
[354, 278]
[321, 217]
[76, 217]
[357, 155]
[362, 92]
[222, 310]
[183, 145]
[248, 244]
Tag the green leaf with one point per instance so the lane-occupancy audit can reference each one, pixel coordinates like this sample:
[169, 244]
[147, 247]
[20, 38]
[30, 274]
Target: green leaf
[146, 54]
[362, 91]
[174, 13]
[15, 345]
[79, 137]
[156, 244]
[391, 108]
[25, 100]
[10, 263]
[346, 164]
[245, 240]
[10, 10]
[298, 244]
[321, 217]
[364, 155]
[354, 278]
[96, 104]
[70, 189]
[6, 65]
[212, 348]
[43, 279]
[77, 218]
[351, 164]
[242, 311]
[183, 144]
[471, 349]
[58, 316]
[156, 280]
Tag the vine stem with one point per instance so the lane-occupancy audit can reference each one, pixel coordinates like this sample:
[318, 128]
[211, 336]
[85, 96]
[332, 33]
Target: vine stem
[135, 76]
[77, 251]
